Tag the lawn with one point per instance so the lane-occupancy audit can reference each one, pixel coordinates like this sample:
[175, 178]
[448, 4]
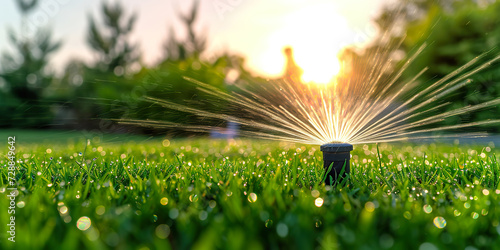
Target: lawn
[246, 194]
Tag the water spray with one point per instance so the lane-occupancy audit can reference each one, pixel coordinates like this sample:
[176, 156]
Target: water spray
[338, 155]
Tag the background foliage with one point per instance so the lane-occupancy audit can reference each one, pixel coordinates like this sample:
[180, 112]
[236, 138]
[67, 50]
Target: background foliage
[114, 84]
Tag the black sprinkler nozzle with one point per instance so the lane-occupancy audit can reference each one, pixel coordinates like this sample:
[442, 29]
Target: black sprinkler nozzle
[339, 155]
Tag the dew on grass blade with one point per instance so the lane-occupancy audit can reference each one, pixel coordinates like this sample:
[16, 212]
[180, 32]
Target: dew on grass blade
[173, 214]
[252, 197]
[203, 215]
[370, 206]
[92, 234]
[318, 202]
[407, 215]
[20, 204]
[67, 219]
[439, 222]
[63, 210]
[315, 193]
[164, 201]
[155, 217]
[212, 204]
[457, 213]
[427, 208]
[83, 223]
[474, 215]
[427, 246]
[162, 231]
[99, 210]
[318, 223]
[269, 223]
[193, 198]
[282, 229]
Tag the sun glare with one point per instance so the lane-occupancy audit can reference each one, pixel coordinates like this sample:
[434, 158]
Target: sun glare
[320, 71]
[316, 34]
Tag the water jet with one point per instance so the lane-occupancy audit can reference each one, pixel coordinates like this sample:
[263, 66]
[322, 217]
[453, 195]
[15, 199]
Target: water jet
[336, 155]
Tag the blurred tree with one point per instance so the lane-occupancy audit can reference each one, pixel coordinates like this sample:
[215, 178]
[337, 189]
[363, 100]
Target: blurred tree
[183, 58]
[386, 53]
[110, 42]
[193, 45]
[26, 75]
[110, 79]
[457, 34]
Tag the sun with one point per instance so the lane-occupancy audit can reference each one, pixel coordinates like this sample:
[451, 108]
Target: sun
[318, 70]
[316, 34]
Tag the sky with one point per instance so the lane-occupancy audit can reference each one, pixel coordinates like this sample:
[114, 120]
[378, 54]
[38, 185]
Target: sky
[255, 29]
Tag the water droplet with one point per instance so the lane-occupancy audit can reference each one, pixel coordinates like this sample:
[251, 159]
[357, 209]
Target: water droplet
[318, 223]
[203, 215]
[318, 202]
[407, 215]
[155, 217]
[467, 205]
[67, 219]
[315, 193]
[20, 204]
[164, 201]
[427, 208]
[49, 185]
[63, 209]
[269, 223]
[173, 214]
[474, 215]
[282, 229]
[369, 206]
[427, 246]
[100, 210]
[252, 197]
[212, 203]
[162, 231]
[439, 222]
[83, 223]
[457, 213]
[80, 154]
[193, 198]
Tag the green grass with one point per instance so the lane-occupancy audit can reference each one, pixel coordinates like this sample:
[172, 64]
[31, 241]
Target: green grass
[246, 194]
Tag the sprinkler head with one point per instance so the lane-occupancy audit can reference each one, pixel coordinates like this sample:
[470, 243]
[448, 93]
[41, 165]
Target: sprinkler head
[339, 155]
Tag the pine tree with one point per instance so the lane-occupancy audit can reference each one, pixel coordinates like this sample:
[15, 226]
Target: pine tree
[25, 72]
[193, 45]
[110, 42]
